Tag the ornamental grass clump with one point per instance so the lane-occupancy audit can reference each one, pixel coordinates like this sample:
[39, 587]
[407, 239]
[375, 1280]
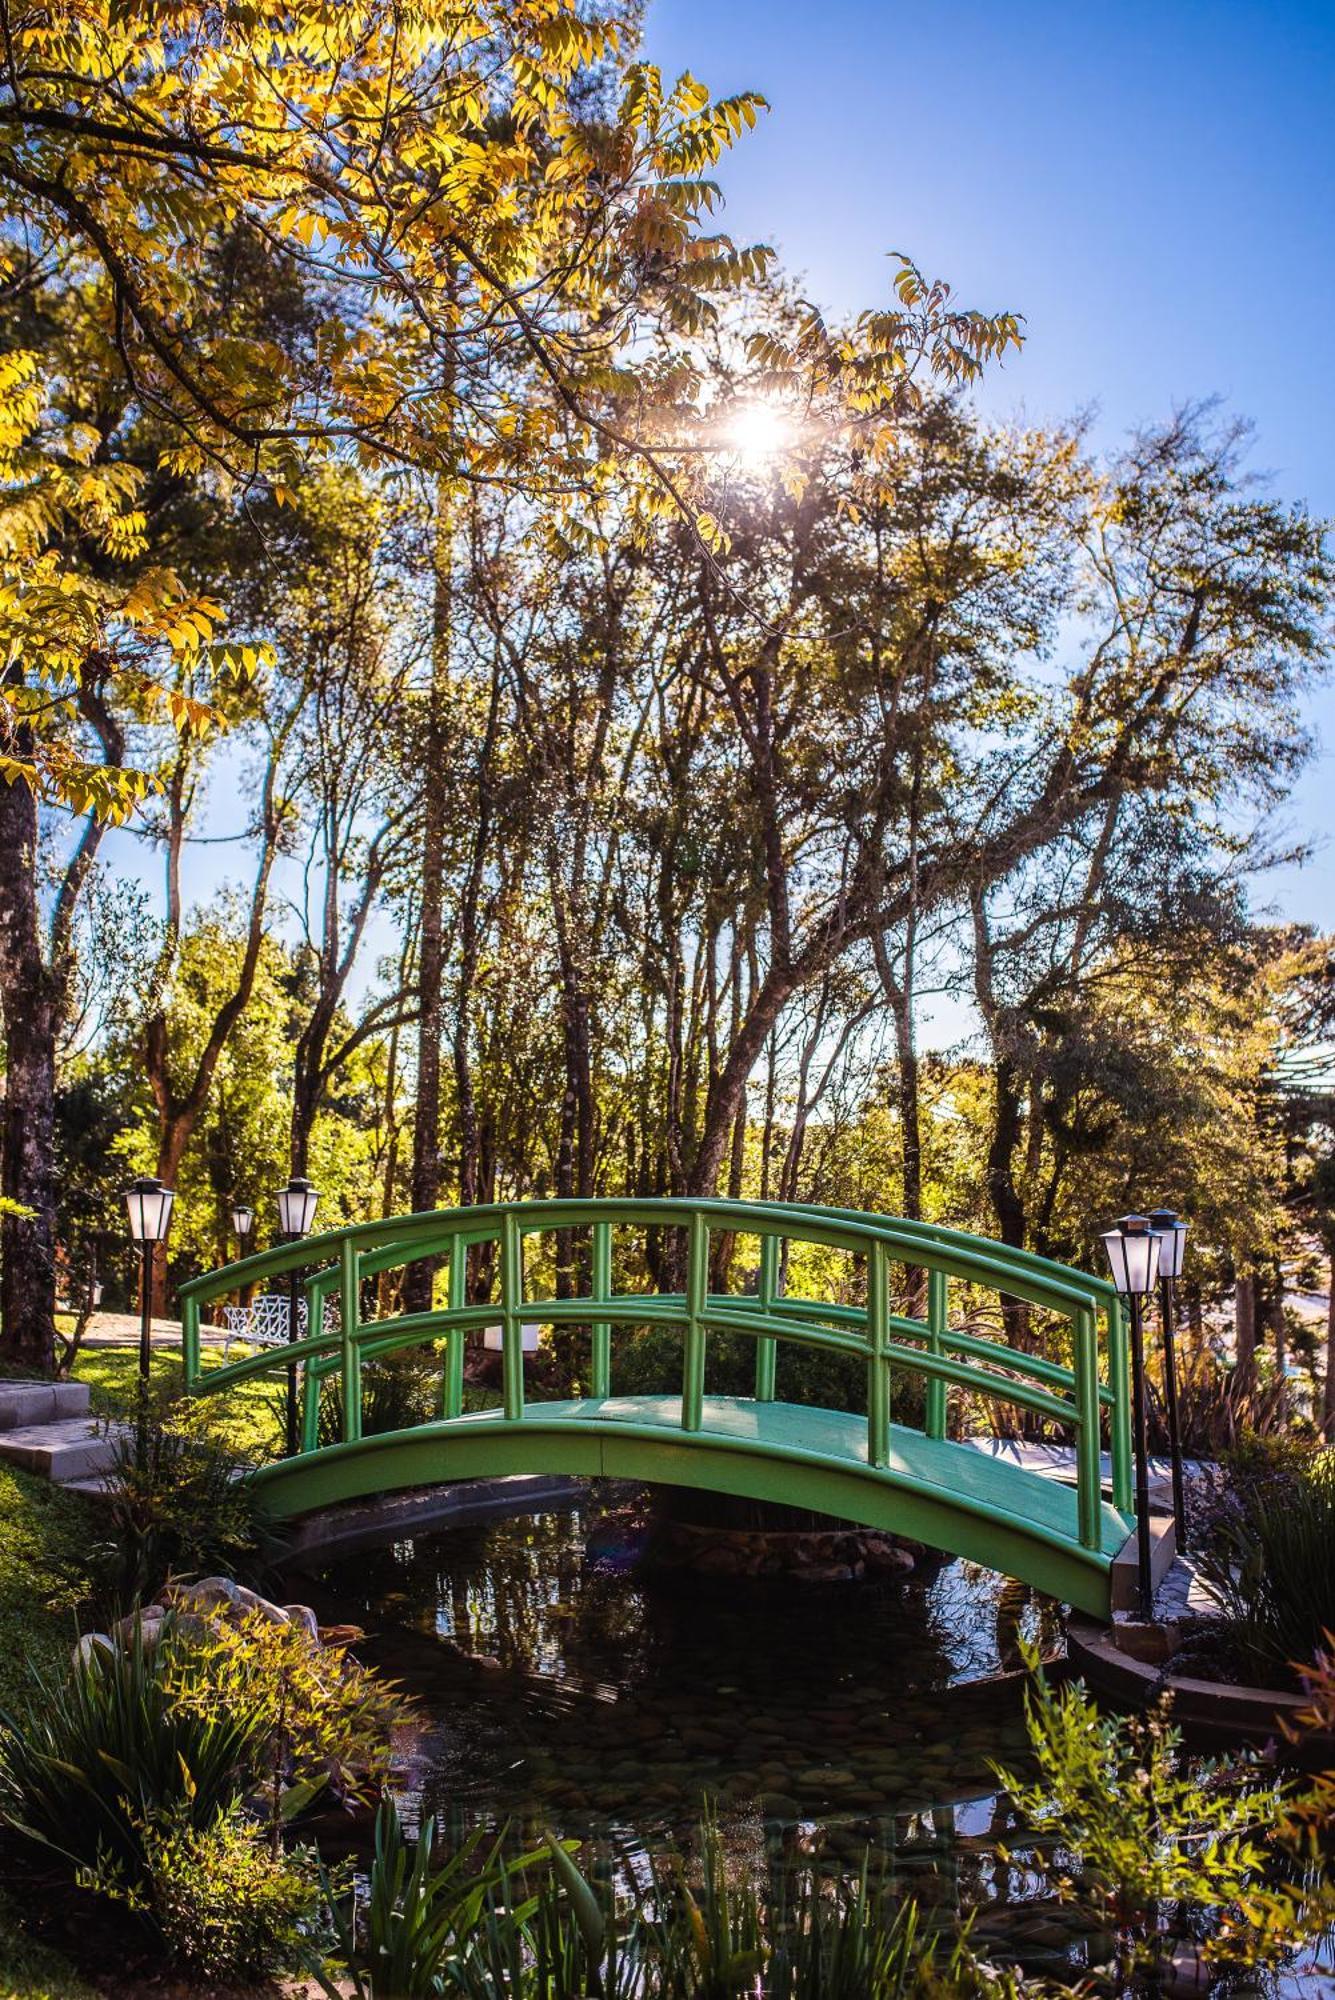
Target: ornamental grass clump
[1266, 1549]
[103, 1749]
[534, 1927]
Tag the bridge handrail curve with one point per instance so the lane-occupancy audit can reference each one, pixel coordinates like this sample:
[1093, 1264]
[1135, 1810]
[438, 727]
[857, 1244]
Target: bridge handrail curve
[1056, 1287]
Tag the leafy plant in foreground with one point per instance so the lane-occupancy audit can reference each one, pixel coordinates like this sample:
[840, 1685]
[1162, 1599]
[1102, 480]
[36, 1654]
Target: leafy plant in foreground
[1137, 1838]
[104, 1749]
[476, 1925]
[316, 1717]
[225, 1905]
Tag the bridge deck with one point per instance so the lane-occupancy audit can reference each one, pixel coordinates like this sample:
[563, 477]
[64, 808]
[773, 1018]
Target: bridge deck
[793, 1430]
[945, 1494]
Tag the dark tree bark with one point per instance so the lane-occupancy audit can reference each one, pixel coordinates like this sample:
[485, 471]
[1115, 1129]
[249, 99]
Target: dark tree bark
[27, 1141]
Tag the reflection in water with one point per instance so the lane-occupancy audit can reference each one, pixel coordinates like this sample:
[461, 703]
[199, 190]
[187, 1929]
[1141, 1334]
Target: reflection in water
[824, 1720]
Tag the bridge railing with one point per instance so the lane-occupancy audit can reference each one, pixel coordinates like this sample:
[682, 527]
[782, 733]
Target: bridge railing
[887, 1342]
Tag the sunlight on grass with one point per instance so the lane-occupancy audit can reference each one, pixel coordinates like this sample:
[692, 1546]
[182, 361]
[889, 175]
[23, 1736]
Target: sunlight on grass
[249, 1415]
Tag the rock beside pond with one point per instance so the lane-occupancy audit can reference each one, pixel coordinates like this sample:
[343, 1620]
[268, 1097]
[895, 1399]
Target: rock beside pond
[198, 1609]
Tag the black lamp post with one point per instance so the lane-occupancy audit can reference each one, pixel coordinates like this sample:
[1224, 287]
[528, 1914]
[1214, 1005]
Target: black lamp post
[296, 1214]
[150, 1209]
[243, 1222]
[1133, 1255]
[1173, 1235]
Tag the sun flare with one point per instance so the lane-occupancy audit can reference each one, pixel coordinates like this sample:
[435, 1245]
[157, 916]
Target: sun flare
[758, 432]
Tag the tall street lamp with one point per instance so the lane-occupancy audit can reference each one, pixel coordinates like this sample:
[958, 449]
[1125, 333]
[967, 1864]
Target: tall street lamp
[1133, 1256]
[1173, 1235]
[150, 1208]
[296, 1214]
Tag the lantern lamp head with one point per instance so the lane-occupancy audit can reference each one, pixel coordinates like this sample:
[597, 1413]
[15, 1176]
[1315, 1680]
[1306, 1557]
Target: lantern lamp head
[1169, 1225]
[150, 1207]
[297, 1203]
[243, 1220]
[1133, 1255]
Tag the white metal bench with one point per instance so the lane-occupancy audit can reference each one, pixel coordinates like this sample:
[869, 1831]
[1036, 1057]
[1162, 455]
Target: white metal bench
[263, 1323]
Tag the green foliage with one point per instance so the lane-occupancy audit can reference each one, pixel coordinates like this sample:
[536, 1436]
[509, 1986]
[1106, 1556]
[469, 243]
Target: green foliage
[44, 1536]
[421, 1914]
[1133, 1835]
[397, 1393]
[315, 1717]
[1267, 1552]
[225, 1905]
[491, 1929]
[175, 1505]
[102, 1750]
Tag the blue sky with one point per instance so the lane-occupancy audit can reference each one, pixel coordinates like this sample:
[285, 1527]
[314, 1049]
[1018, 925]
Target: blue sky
[1153, 187]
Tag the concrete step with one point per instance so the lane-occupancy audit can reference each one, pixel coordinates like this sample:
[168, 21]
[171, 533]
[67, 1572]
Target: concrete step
[23, 1404]
[72, 1448]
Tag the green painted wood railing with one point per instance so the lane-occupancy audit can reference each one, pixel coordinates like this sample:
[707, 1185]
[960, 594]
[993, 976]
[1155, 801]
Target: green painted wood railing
[948, 1358]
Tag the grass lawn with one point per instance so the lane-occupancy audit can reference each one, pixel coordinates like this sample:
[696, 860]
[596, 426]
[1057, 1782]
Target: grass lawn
[249, 1415]
[44, 1537]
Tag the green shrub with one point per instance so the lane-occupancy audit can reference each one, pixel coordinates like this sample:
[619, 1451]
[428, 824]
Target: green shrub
[175, 1506]
[1148, 1845]
[315, 1717]
[1265, 1545]
[224, 1904]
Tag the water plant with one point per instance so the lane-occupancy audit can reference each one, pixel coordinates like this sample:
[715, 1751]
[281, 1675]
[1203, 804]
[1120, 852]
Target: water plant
[488, 1928]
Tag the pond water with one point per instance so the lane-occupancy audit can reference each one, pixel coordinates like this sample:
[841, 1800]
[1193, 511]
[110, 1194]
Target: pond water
[565, 1688]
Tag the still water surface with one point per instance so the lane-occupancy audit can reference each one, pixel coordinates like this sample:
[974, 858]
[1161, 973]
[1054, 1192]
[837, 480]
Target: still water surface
[567, 1688]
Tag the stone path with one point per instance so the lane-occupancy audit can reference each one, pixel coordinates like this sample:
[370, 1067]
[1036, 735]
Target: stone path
[45, 1428]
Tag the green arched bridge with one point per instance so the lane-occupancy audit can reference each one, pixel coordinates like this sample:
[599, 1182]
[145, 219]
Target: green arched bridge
[859, 1271]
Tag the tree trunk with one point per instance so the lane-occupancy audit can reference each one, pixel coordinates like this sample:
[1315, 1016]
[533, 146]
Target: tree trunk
[27, 1139]
[1244, 1326]
[431, 954]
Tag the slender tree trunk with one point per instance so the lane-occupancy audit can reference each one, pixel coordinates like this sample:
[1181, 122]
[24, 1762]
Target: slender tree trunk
[27, 1139]
[1244, 1327]
[431, 951]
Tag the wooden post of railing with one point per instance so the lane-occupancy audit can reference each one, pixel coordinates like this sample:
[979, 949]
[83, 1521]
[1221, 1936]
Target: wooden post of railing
[601, 1383]
[512, 1312]
[697, 1301]
[1088, 1465]
[937, 1311]
[1119, 1420]
[878, 1368]
[452, 1385]
[767, 1347]
[350, 1287]
[190, 1340]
